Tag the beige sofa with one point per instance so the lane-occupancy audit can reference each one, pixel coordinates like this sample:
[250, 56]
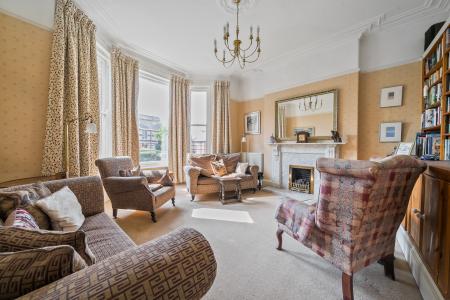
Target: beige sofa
[160, 269]
[198, 183]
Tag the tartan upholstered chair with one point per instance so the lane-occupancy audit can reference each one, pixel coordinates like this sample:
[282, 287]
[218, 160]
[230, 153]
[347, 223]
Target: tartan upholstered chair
[135, 192]
[360, 207]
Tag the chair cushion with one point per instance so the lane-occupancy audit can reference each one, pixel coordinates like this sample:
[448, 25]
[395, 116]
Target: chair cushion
[17, 239]
[163, 195]
[105, 238]
[297, 217]
[24, 271]
[155, 186]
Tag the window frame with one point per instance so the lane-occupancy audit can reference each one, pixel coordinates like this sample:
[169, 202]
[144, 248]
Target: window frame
[105, 104]
[207, 89]
[159, 80]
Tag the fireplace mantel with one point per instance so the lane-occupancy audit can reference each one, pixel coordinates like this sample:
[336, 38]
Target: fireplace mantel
[292, 153]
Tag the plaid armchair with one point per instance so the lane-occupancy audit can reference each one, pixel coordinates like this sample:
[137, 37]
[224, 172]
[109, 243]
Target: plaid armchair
[136, 192]
[360, 207]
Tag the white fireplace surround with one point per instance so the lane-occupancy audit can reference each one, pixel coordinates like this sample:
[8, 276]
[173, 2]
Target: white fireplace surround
[290, 153]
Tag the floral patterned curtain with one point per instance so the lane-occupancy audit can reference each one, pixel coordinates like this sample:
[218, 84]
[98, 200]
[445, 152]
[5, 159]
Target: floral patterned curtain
[125, 91]
[178, 126]
[221, 133]
[73, 93]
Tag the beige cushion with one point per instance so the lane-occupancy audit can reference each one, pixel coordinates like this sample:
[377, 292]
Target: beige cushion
[25, 197]
[63, 209]
[24, 271]
[219, 168]
[166, 180]
[203, 162]
[231, 161]
[241, 168]
[130, 173]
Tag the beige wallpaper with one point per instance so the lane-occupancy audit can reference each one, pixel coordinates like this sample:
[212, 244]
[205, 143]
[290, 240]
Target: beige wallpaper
[371, 115]
[24, 72]
[347, 87]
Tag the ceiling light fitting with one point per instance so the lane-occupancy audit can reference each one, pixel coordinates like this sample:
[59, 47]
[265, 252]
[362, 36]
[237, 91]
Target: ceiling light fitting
[238, 53]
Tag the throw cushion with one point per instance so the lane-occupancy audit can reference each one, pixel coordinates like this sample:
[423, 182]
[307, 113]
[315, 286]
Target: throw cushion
[63, 209]
[21, 218]
[25, 197]
[231, 161]
[155, 186]
[241, 168]
[130, 173]
[17, 239]
[203, 162]
[166, 180]
[24, 271]
[219, 168]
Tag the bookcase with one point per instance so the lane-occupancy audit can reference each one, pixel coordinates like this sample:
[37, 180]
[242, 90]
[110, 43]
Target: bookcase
[434, 137]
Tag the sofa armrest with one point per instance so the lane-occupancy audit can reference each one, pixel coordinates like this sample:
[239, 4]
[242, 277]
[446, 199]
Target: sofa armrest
[88, 189]
[180, 265]
[192, 174]
[116, 185]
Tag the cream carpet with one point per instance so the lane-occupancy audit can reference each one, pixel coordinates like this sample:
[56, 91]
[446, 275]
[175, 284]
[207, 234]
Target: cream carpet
[242, 236]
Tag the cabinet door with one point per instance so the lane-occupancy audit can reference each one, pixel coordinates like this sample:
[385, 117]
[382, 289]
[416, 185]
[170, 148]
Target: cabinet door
[431, 217]
[444, 263]
[415, 205]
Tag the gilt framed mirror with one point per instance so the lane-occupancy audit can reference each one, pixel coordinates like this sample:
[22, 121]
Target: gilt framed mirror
[313, 113]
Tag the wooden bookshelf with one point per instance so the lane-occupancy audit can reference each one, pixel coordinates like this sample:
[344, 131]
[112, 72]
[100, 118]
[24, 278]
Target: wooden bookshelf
[435, 76]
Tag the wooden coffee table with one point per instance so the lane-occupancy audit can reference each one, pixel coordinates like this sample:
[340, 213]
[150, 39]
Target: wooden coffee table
[230, 185]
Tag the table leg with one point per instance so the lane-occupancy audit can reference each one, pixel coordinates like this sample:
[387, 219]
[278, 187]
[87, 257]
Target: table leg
[238, 187]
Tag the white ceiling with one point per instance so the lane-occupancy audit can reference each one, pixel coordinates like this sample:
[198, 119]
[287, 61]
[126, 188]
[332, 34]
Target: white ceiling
[180, 33]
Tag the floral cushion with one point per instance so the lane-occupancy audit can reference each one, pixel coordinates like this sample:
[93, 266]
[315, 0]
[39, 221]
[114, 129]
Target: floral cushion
[219, 168]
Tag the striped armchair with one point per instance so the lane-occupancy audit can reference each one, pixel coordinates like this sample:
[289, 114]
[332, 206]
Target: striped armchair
[360, 207]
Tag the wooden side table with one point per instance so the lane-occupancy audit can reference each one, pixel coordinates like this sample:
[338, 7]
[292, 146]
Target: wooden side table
[231, 185]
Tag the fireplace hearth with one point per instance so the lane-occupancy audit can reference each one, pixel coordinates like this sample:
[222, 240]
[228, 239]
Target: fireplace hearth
[301, 179]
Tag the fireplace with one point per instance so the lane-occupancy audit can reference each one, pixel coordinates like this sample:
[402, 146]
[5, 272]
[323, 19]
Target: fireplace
[301, 179]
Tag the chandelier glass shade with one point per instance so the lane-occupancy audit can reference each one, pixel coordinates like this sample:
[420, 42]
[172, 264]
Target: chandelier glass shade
[235, 51]
[310, 104]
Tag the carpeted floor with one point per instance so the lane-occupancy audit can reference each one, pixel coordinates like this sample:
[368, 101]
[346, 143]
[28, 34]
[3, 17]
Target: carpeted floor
[249, 267]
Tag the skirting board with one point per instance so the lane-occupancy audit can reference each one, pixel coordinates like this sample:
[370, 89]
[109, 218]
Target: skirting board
[426, 285]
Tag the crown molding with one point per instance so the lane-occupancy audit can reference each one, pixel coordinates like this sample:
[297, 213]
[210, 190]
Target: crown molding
[26, 20]
[384, 21]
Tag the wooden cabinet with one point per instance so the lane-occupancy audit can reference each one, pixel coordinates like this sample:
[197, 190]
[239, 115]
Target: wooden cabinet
[428, 222]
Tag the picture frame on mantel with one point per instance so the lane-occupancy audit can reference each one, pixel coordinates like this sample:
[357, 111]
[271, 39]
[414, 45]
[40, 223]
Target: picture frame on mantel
[391, 96]
[252, 122]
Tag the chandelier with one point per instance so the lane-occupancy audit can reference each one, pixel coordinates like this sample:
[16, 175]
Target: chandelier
[242, 55]
[310, 104]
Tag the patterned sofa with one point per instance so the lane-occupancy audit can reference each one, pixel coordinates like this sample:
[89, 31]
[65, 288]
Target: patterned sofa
[197, 183]
[180, 265]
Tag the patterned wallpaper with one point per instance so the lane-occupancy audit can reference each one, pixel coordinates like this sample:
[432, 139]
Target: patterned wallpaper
[24, 72]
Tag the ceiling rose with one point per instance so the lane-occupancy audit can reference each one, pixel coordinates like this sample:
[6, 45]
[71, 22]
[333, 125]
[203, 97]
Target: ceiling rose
[229, 6]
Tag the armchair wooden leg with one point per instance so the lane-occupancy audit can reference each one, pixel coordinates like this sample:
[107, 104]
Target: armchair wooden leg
[280, 239]
[347, 286]
[192, 197]
[115, 213]
[173, 201]
[153, 216]
[388, 263]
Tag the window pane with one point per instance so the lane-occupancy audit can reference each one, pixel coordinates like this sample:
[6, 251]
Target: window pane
[153, 121]
[199, 128]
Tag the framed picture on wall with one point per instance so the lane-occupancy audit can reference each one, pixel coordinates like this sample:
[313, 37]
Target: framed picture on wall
[252, 122]
[391, 96]
[391, 132]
